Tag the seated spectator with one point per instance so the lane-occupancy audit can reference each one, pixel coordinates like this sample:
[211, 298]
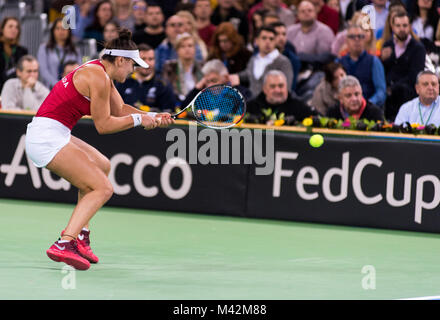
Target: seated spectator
[339, 47]
[226, 12]
[185, 71]
[425, 109]
[203, 12]
[353, 104]
[145, 87]
[190, 26]
[386, 33]
[310, 36]
[424, 22]
[287, 49]
[52, 55]
[368, 69]
[103, 13]
[276, 96]
[139, 12]
[10, 50]
[327, 15]
[154, 32]
[166, 50]
[69, 66]
[24, 92]
[403, 58]
[123, 14]
[110, 33]
[268, 58]
[326, 93]
[228, 46]
[276, 6]
[270, 18]
[214, 73]
[84, 10]
[380, 14]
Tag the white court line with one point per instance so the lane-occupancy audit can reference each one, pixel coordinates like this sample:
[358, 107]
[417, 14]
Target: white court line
[422, 298]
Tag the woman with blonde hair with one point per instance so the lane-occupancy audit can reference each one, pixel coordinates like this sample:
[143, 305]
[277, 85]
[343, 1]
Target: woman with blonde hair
[359, 19]
[184, 72]
[190, 26]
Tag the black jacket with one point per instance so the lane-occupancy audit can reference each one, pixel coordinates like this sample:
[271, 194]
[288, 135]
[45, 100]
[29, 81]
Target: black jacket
[7, 68]
[403, 70]
[371, 112]
[291, 107]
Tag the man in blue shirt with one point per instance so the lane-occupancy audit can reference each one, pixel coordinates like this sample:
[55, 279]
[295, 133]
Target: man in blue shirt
[424, 109]
[145, 88]
[364, 66]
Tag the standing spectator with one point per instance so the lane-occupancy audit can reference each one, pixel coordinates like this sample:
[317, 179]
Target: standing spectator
[424, 20]
[124, 14]
[24, 92]
[403, 58]
[325, 95]
[185, 71]
[52, 55]
[139, 12]
[203, 11]
[276, 96]
[190, 26]
[287, 49]
[310, 36]
[327, 15]
[145, 87]
[228, 46]
[226, 12]
[368, 69]
[352, 103]
[154, 32]
[268, 58]
[278, 7]
[10, 50]
[103, 13]
[425, 109]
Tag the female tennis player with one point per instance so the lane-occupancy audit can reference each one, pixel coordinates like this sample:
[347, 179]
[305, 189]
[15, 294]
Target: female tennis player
[88, 90]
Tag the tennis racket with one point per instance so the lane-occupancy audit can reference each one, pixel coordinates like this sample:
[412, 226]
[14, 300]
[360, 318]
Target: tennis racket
[217, 107]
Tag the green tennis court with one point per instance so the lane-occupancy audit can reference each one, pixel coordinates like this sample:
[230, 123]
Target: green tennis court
[164, 255]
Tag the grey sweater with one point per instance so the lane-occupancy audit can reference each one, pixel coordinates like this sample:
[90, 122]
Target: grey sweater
[281, 63]
[15, 97]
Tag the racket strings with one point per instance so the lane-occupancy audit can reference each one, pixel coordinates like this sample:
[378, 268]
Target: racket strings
[219, 106]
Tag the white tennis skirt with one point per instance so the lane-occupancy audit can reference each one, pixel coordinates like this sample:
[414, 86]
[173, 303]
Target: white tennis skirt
[44, 138]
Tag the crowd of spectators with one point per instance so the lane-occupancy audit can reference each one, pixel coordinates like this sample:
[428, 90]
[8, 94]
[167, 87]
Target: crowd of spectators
[373, 59]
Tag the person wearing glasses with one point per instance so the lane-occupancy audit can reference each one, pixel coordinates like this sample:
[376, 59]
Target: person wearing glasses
[139, 11]
[368, 69]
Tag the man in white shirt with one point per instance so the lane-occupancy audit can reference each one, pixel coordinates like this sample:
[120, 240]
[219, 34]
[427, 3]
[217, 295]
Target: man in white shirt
[268, 58]
[24, 92]
[424, 109]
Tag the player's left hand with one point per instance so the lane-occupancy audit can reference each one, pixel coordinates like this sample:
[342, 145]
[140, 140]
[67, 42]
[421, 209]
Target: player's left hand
[165, 119]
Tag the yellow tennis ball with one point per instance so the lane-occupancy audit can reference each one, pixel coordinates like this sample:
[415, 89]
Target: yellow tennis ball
[316, 140]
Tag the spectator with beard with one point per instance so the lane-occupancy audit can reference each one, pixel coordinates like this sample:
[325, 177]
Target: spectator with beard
[403, 58]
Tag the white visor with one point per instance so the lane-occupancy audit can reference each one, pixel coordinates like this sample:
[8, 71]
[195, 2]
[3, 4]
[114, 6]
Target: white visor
[132, 54]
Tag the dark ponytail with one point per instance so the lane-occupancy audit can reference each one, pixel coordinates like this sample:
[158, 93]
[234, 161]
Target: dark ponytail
[122, 42]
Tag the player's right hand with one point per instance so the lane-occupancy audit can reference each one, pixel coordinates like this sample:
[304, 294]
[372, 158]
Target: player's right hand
[150, 122]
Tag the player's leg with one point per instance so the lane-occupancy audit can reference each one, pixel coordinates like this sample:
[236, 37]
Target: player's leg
[74, 165]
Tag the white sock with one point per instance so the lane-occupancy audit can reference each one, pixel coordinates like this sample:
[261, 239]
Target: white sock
[85, 229]
[63, 241]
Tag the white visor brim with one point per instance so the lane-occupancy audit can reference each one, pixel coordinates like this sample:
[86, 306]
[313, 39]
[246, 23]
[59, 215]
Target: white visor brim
[132, 54]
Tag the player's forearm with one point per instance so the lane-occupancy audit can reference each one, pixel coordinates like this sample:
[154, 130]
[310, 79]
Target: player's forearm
[113, 124]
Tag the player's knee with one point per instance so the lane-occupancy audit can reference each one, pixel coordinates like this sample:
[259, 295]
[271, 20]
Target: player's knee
[106, 166]
[107, 190]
